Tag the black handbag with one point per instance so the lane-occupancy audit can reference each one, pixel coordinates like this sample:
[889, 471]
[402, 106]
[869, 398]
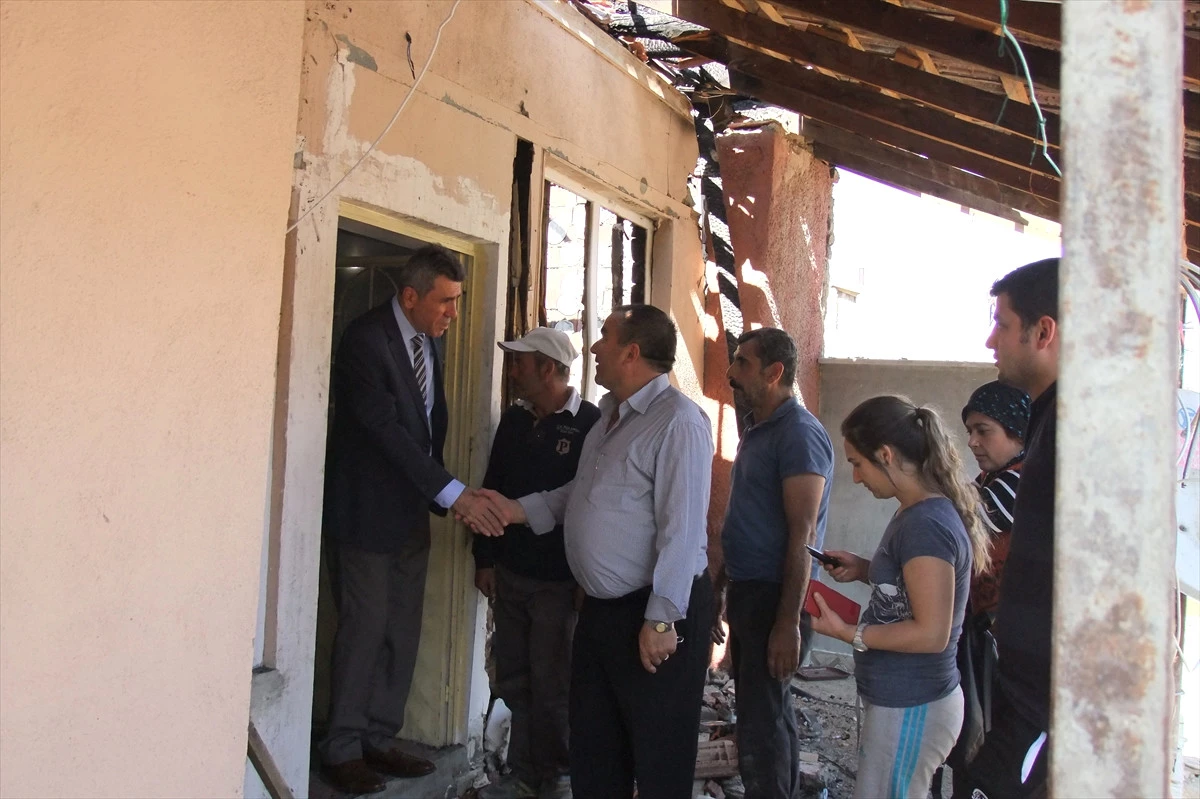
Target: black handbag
[977, 658]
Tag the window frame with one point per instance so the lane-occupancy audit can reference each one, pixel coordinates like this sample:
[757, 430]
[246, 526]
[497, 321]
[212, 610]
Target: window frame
[595, 193]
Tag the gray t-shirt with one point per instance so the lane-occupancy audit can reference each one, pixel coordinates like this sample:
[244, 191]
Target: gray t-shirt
[933, 528]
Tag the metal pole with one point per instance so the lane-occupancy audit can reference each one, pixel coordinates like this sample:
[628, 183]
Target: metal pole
[1114, 589]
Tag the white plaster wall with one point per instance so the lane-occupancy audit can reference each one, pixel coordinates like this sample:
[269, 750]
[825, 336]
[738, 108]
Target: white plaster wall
[856, 519]
[145, 149]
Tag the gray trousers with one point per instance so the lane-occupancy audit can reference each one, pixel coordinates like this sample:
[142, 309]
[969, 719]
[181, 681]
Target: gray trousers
[768, 743]
[900, 747]
[535, 622]
[379, 598]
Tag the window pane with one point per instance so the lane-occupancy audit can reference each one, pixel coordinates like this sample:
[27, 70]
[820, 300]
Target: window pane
[566, 231]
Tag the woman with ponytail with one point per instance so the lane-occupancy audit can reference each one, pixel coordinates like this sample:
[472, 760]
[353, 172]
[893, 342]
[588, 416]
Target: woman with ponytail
[906, 640]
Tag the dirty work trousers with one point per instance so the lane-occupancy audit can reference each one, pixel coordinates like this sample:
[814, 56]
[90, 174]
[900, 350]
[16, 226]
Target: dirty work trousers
[379, 600]
[627, 724]
[900, 747]
[768, 744]
[535, 620]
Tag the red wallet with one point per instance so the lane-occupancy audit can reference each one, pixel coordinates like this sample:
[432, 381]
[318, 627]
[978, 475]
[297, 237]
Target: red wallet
[843, 606]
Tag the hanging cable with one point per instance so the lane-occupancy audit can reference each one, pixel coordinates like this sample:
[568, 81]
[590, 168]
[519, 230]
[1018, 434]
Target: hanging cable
[1029, 83]
[411, 91]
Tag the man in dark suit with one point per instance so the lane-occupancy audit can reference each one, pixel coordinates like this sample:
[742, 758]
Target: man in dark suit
[384, 476]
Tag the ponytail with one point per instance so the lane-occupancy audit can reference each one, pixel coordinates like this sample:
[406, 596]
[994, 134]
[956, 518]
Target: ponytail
[918, 435]
[943, 469]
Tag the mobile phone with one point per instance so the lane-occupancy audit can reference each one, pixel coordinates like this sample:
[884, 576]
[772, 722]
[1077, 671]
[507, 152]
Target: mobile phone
[822, 557]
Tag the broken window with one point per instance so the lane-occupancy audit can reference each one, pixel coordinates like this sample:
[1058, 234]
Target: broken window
[595, 261]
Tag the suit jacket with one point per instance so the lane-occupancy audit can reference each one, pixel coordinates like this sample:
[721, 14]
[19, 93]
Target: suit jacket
[384, 464]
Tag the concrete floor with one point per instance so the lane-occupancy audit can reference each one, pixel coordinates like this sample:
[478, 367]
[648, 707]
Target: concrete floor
[454, 776]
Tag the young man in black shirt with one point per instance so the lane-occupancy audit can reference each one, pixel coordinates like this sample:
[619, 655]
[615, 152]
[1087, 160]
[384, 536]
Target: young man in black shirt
[526, 576]
[1025, 340]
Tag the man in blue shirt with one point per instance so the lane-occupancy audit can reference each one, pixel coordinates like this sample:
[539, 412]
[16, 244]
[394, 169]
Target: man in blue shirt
[778, 499]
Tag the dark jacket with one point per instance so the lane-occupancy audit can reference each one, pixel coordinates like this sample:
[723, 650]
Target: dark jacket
[531, 455]
[384, 464]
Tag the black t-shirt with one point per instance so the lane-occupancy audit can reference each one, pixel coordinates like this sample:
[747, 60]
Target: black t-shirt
[1023, 620]
[530, 455]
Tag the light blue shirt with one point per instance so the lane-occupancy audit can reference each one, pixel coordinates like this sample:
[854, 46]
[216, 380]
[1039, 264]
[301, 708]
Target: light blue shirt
[636, 513]
[448, 495]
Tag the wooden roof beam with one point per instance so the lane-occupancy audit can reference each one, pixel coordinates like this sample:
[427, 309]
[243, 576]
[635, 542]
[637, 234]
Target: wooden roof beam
[978, 48]
[858, 153]
[1044, 21]
[1039, 20]
[928, 122]
[837, 116]
[871, 68]
[904, 180]
[918, 29]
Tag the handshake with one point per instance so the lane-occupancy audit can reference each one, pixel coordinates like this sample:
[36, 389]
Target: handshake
[487, 512]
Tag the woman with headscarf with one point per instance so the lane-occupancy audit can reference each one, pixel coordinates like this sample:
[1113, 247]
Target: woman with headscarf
[995, 416]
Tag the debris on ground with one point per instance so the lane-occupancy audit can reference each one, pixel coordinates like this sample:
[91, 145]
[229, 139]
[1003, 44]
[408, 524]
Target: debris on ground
[825, 703]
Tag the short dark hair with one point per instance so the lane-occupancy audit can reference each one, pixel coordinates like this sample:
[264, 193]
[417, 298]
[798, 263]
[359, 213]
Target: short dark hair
[426, 264]
[540, 359]
[774, 346]
[1032, 291]
[652, 330]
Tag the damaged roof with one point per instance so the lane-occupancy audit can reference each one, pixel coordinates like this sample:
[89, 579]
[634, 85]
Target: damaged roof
[927, 95]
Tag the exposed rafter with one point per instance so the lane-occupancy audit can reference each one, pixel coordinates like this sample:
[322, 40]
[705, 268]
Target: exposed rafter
[917, 29]
[836, 116]
[975, 47]
[990, 143]
[1043, 21]
[865, 156]
[871, 68]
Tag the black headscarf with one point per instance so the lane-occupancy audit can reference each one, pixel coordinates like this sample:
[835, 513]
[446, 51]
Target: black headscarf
[1007, 405]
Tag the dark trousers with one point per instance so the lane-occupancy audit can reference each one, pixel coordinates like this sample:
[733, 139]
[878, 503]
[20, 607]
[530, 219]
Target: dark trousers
[995, 772]
[535, 621]
[379, 602]
[627, 724]
[768, 743]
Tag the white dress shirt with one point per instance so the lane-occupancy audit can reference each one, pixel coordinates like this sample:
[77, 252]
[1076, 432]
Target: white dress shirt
[636, 513]
[448, 495]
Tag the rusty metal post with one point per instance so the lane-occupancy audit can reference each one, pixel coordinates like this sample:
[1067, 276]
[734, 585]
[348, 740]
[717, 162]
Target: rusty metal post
[1114, 589]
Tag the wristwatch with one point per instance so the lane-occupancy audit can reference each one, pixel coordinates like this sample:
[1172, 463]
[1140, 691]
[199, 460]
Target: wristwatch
[857, 643]
[661, 626]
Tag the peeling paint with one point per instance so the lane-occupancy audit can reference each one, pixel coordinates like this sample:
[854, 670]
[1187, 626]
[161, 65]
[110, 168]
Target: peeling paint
[357, 55]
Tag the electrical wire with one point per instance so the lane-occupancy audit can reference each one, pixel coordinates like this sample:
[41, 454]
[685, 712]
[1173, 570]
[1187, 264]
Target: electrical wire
[1029, 83]
[411, 91]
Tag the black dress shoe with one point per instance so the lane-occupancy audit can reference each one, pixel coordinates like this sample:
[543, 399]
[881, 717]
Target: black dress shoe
[397, 763]
[353, 777]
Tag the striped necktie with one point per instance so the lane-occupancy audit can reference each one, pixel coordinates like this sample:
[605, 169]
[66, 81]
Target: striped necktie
[418, 350]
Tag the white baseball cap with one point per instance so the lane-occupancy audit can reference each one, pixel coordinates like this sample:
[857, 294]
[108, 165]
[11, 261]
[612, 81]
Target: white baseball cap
[551, 343]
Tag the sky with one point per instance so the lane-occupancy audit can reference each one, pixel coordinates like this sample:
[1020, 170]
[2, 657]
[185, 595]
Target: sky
[927, 267]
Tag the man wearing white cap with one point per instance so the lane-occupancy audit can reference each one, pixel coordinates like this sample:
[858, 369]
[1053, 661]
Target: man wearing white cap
[526, 576]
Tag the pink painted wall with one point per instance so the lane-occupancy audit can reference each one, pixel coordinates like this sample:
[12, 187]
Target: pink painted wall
[778, 204]
[146, 153]
[779, 199]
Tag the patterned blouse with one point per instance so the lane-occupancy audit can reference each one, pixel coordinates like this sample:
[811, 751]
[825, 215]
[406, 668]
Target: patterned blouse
[997, 495]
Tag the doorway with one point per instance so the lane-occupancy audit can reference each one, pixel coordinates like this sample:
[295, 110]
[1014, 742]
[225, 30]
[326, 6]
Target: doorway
[371, 250]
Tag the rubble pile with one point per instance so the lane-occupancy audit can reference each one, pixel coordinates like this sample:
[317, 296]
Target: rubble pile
[826, 720]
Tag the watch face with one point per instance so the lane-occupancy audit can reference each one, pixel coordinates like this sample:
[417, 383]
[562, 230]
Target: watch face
[661, 627]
